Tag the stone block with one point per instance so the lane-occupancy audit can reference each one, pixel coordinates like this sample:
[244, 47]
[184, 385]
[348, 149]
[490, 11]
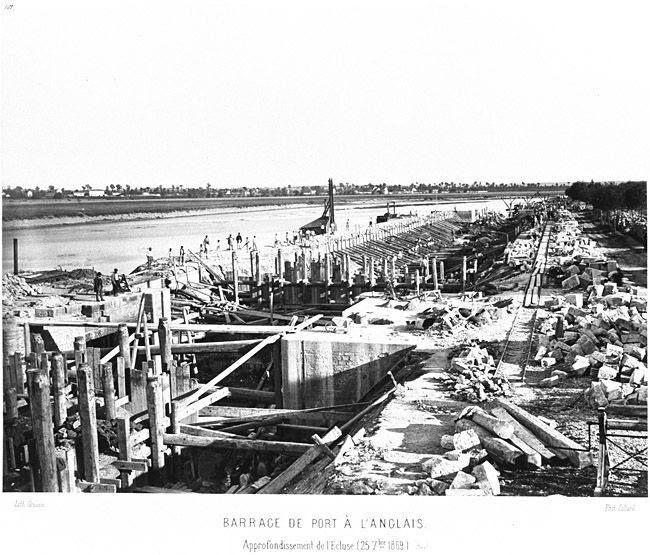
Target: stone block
[447, 441]
[438, 487]
[487, 478]
[548, 361]
[606, 372]
[613, 350]
[571, 282]
[462, 480]
[465, 440]
[639, 375]
[581, 365]
[596, 396]
[588, 347]
[439, 467]
[550, 382]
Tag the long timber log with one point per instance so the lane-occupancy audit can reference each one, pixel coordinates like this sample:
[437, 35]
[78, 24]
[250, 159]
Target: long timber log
[259, 446]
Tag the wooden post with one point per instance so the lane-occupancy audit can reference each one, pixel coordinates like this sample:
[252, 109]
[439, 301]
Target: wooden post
[123, 337]
[165, 336]
[44, 364]
[80, 355]
[124, 445]
[11, 403]
[39, 398]
[88, 417]
[385, 270]
[258, 272]
[279, 264]
[348, 271]
[38, 346]
[120, 374]
[328, 270]
[235, 276]
[463, 274]
[19, 370]
[138, 380]
[65, 469]
[15, 255]
[434, 267]
[426, 268]
[156, 428]
[28, 340]
[393, 275]
[58, 390]
[276, 355]
[417, 282]
[371, 271]
[364, 266]
[108, 386]
[442, 271]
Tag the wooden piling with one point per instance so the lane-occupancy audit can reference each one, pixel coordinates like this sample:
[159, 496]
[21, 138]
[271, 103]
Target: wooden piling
[19, 371]
[417, 282]
[156, 428]
[235, 276]
[124, 446]
[463, 274]
[38, 346]
[39, 398]
[138, 380]
[65, 469]
[120, 375]
[393, 275]
[371, 271]
[88, 417]
[11, 403]
[108, 387]
[80, 356]
[434, 267]
[27, 339]
[165, 338]
[58, 390]
[442, 271]
[123, 338]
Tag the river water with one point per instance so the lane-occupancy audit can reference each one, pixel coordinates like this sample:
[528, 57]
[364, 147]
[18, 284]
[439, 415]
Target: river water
[122, 244]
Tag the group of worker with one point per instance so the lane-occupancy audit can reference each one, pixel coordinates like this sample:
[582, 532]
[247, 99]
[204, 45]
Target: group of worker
[118, 283]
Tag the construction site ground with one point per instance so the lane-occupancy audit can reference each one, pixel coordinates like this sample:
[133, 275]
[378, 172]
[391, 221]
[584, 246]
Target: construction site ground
[408, 429]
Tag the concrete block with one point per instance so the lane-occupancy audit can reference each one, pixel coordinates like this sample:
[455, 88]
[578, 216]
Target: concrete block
[581, 365]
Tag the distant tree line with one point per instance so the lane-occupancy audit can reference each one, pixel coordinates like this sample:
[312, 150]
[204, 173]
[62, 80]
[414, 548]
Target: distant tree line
[629, 195]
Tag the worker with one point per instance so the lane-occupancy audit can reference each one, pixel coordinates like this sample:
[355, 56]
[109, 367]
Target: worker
[206, 242]
[149, 258]
[276, 241]
[616, 276]
[239, 240]
[115, 282]
[254, 247]
[218, 244]
[181, 254]
[230, 242]
[124, 284]
[247, 244]
[98, 286]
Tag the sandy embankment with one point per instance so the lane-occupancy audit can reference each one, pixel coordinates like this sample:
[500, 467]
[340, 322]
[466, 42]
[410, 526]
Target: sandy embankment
[133, 216]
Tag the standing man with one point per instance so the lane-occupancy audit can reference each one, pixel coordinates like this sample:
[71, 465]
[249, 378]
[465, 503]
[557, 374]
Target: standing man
[149, 258]
[239, 240]
[206, 242]
[115, 282]
[254, 247]
[182, 255]
[230, 242]
[98, 286]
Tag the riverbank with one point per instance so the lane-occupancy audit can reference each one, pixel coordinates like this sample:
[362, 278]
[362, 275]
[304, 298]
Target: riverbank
[46, 213]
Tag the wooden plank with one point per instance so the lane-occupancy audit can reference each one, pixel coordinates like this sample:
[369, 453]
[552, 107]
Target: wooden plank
[60, 408]
[155, 489]
[95, 487]
[288, 474]
[108, 387]
[578, 456]
[193, 408]
[230, 369]
[206, 347]
[204, 432]
[131, 466]
[186, 440]
[216, 328]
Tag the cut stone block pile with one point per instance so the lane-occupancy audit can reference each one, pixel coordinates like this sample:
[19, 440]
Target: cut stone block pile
[604, 337]
[14, 287]
[522, 251]
[505, 437]
[454, 314]
[473, 376]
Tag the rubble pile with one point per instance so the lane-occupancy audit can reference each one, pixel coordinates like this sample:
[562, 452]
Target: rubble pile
[452, 315]
[15, 287]
[521, 252]
[484, 441]
[604, 337]
[473, 376]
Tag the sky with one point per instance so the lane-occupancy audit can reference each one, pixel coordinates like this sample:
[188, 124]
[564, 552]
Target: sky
[292, 93]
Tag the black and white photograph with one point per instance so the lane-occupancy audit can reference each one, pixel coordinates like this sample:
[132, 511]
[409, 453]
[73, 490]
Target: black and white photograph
[357, 261]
